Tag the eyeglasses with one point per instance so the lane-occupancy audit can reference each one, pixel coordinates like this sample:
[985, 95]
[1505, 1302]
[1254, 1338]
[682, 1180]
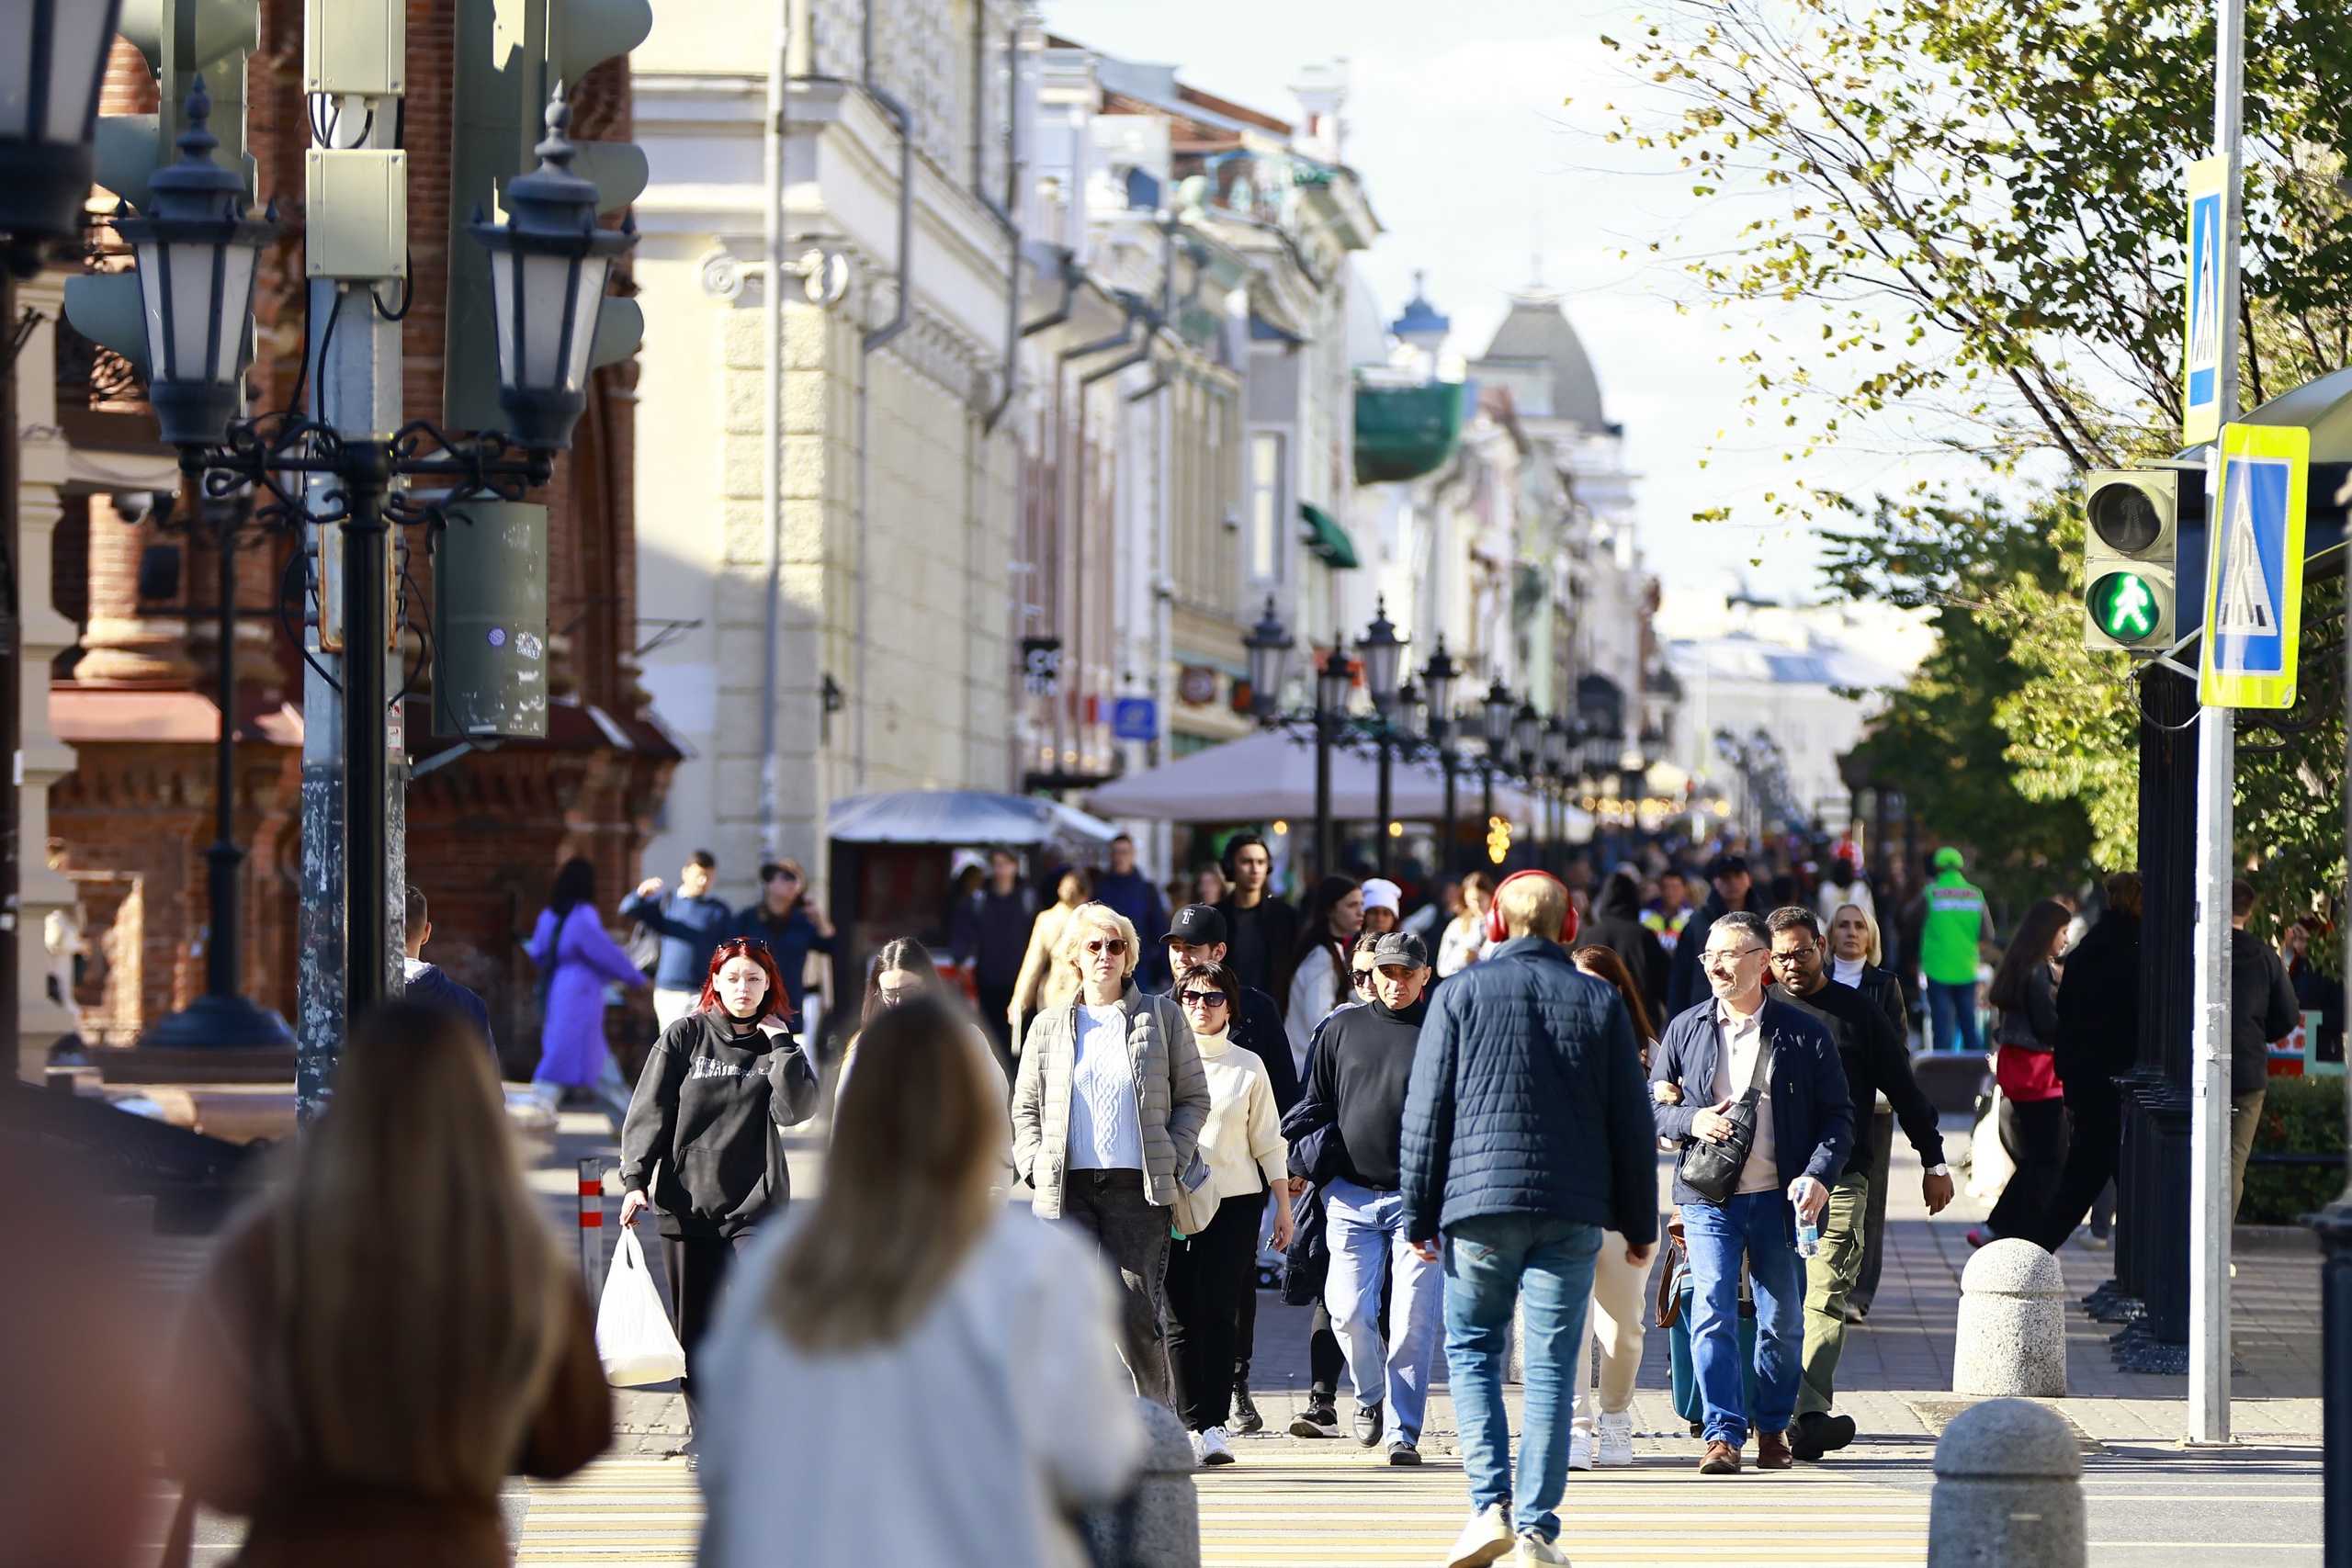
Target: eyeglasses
[1108, 944]
[1728, 960]
[1203, 998]
[1792, 954]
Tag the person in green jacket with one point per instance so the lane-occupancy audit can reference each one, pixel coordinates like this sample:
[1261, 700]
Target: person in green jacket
[1956, 924]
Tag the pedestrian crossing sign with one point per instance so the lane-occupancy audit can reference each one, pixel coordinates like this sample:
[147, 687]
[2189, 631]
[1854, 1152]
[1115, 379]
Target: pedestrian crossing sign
[2201, 400]
[2254, 570]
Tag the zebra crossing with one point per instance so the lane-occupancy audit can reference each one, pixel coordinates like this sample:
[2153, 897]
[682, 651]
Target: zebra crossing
[1287, 1503]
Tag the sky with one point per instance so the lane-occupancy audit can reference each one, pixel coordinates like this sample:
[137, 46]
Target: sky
[1477, 128]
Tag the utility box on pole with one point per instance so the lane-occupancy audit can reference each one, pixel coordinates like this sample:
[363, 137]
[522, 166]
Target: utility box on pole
[490, 616]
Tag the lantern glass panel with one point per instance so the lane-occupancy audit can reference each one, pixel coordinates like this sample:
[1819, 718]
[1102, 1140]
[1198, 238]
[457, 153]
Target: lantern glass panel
[546, 280]
[77, 43]
[15, 69]
[236, 301]
[503, 265]
[587, 300]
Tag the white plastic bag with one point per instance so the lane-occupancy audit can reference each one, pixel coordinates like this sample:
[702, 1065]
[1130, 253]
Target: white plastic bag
[634, 1338]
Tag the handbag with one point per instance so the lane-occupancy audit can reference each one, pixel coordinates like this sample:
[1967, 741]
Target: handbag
[1711, 1170]
[633, 1340]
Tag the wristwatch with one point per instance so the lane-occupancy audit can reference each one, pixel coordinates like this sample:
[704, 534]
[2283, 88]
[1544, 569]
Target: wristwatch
[1940, 1170]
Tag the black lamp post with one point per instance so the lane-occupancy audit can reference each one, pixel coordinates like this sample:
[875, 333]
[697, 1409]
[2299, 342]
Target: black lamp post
[52, 55]
[1557, 740]
[1437, 679]
[1382, 652]
[1526, 744]
[1269, 647]
[1333, 679]
[196, 253]
[1499, 709]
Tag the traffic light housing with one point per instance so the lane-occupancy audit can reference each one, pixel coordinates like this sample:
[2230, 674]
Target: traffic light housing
[2131, 558]
[490, 622]
[510, 56]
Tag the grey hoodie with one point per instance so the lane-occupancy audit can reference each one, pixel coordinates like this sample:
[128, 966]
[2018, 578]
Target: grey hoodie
[701, 1134]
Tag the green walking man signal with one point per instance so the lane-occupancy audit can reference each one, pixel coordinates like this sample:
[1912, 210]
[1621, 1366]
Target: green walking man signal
[2123, 608]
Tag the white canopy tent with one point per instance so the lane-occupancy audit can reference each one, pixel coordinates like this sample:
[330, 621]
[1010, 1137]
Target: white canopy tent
[1271, 775]
[969, 818]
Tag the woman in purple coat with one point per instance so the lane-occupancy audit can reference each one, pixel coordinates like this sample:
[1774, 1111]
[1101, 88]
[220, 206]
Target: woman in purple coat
[576, 958]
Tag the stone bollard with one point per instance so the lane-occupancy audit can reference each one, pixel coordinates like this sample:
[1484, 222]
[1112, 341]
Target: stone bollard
[1159, 1525]
[2009, 1489]
[2012, 1335]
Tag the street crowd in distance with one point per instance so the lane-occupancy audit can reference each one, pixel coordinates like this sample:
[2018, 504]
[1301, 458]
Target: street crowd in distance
[1062, 1151]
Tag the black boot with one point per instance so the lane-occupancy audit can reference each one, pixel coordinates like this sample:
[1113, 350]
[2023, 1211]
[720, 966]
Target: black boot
[1817, 1432]
[1246, 1418]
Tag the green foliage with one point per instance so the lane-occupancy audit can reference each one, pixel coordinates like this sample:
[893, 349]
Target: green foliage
[2290, 785]
[2301, 1116]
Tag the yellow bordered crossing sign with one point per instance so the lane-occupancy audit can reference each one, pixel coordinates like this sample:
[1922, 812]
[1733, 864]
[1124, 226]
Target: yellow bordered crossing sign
[2254, 570]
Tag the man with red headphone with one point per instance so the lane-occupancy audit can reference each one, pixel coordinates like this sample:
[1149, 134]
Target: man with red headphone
[1527, 1135]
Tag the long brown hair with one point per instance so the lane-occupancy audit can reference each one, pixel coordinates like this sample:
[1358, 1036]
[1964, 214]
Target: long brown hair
[420, 1288]
[918, 1136]
[1603, 963]
[2034, 944]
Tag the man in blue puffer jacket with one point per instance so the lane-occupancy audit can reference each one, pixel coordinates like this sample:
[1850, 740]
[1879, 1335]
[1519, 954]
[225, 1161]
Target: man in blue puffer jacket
[1527, 1135]
[1712, 1055]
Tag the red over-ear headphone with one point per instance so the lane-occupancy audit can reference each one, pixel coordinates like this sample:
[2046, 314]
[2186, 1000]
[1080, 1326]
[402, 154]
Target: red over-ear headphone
[1495, 932]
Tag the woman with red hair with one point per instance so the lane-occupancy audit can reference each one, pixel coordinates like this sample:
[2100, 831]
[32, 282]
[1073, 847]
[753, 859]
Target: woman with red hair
[700, 1147]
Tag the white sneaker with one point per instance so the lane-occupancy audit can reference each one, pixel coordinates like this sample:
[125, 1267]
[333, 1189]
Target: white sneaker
[1579, 1450]
[1616, 1440]
[1212, 1447]
[1486, 1538]
[1534, 1551]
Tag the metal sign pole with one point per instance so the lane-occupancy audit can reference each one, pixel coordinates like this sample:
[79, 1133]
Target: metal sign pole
[2210, 1208]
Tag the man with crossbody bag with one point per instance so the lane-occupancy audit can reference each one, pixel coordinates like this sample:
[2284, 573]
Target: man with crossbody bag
[1753, 1090]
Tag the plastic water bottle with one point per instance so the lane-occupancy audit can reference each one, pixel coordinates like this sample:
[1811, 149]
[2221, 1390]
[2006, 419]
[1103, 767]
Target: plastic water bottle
[1808, 1238]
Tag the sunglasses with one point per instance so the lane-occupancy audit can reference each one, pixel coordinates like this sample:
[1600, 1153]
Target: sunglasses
[1108, 944]
[1205, 998]
[1363, 976]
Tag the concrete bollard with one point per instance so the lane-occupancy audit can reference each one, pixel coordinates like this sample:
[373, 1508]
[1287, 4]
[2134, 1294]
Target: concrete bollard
[1159, 1525]
[2012, 1338]
[2009, 1489]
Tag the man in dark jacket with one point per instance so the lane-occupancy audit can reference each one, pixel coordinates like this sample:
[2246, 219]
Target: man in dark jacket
[1526, 1136]
[2099, 1037]
[1712, 1055]
[1355, 1097]
[2262, 1009]
[1130, 892]
[691, 923]
[1197, 936]
[791, 924]
[1732, 889]
[1261, 928]
[429, 984]
[1617, 926]
[990, 939]
[1875, 1063]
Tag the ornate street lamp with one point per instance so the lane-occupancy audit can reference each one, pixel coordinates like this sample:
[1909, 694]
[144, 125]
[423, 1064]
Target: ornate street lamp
[1437, 679]
[1382, 652]
[548, 265]
[55, 56]
[195, 252]
[1333, 680]
[1527, 735]
[1499, 709]
[1559, 742]
[1268, 645]
[1412, 714]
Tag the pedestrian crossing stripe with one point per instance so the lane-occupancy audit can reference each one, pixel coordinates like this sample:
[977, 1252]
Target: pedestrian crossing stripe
[2254, 577]
[1282, 1505]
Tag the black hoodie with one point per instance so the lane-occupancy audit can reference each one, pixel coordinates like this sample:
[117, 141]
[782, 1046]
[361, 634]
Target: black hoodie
[2098, 1007]
[700, 1140]
[1617, 926]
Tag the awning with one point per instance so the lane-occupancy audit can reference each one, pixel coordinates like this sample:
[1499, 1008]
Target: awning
[1403, 433]
[1326, 539]
[968, 817]
[1271, 775]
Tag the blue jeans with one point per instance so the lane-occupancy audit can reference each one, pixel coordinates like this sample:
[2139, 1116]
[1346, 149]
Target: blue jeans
[1950, 1007]
[1365, 1231]
[1488, 1261]
[1750, 1224]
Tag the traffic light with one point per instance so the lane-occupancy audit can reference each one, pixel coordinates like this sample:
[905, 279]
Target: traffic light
[179, 40]
[2130, 558]
[510, 56]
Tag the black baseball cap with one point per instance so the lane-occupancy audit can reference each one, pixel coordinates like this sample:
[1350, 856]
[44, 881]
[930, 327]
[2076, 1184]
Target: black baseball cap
[1726, 865]
[1196, 925]
[1400, 949]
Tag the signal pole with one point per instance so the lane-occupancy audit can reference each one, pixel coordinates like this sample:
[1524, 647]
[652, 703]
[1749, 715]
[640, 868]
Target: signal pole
[2211, 1211]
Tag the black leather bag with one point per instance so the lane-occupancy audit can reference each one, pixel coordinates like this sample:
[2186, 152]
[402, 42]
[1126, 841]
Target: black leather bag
[1711, 1170]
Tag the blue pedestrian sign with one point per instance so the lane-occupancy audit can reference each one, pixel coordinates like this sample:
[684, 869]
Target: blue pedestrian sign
[1135, 718]
[2200, 418]
[2254, 571]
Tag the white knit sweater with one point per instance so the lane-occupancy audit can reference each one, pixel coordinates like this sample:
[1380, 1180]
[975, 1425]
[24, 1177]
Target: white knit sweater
[1243, 1137]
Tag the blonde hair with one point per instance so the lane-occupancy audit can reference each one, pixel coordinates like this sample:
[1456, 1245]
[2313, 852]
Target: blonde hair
[1533, 906]
[1877, 955]
[1099, 916]
[918, 1136]
[418, 1283]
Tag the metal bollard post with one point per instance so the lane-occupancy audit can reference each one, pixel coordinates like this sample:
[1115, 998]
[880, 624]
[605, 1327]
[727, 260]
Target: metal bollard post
[591, 1225]
[2009, 1489]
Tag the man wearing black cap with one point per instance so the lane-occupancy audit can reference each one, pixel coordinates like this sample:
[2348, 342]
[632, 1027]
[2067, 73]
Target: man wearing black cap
[1686, 987]
[1197, 935]
[1356, 1098]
